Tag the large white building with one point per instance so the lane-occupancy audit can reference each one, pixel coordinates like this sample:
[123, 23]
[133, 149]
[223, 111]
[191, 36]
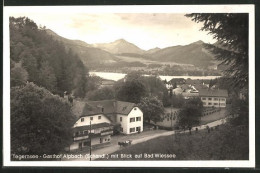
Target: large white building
[213, 98]
[104, 116]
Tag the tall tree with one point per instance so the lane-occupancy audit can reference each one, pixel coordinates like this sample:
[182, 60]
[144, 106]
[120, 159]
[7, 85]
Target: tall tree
[40, 122]
[231, 31]
[152, 108]
[47, 77]
[131, 91]
[190, 113]
[177, 100]
[105, 93]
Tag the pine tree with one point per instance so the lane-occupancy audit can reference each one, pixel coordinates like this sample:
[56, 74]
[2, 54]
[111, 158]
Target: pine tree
[231, 31]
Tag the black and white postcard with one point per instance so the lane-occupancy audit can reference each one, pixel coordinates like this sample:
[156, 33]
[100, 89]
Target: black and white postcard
[129, 86]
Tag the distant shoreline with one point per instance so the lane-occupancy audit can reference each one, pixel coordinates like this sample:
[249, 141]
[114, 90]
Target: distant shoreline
[117, 76]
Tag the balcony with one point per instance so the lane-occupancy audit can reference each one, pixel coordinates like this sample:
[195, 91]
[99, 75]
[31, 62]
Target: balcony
[92, 135]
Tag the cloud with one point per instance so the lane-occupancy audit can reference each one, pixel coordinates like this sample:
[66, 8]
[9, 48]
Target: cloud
[146, 30]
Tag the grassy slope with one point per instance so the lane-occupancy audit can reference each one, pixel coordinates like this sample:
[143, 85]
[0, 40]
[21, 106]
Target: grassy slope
[226, 143]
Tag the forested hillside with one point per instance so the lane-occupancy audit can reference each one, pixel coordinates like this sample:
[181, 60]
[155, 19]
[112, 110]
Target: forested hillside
[90, 56]
[36, 57]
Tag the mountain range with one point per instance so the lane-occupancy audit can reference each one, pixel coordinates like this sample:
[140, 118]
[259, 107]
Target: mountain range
[194, 53]
[88, 54]
[120, 46]
[103, 53]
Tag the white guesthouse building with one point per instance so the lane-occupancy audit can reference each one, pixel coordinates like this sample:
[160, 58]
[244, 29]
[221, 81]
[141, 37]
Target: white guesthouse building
[103, 116]
[213, 98]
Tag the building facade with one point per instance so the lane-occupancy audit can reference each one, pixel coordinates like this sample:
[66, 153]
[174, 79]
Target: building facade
[131, 123]
[91, 135]
[213, 98]
[96, 123]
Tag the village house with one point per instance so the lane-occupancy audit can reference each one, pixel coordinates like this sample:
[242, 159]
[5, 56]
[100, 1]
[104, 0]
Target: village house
[213, 98]
[189, 94]
[98, 120]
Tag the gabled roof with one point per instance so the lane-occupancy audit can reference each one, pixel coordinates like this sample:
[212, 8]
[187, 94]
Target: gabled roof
[107, 107]
[124, 107]
[213, 93]
[95, 107]
[94, 126]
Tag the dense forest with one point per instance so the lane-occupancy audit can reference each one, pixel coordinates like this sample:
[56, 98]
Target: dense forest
[42, 69]
[37, 58]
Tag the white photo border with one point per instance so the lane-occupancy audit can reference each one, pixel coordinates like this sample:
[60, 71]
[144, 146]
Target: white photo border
[250, 9]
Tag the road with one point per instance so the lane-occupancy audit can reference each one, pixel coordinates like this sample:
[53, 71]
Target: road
[154, 134]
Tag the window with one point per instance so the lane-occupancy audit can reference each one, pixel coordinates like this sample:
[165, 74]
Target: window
[132, 130]
[138, 129]
[216, 99]
[121, 129]
[223, 99]
[99, 117]
[82, 119]
[209, 98]
[91, 118]
[215, 103]
[135, 109]
[203, 98]
[121, 119]
[138, 118]
[132, 120]
[210, 103]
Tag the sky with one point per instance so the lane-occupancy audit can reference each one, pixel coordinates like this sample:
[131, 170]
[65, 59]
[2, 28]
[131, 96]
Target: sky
[146, 30]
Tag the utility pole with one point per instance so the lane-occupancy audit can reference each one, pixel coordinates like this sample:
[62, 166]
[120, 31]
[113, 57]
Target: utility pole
[90, 141]
[171, 104]
[218, 102]
[171, 116]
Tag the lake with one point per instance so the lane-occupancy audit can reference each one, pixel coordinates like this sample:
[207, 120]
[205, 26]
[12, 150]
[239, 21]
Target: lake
[118, 76]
